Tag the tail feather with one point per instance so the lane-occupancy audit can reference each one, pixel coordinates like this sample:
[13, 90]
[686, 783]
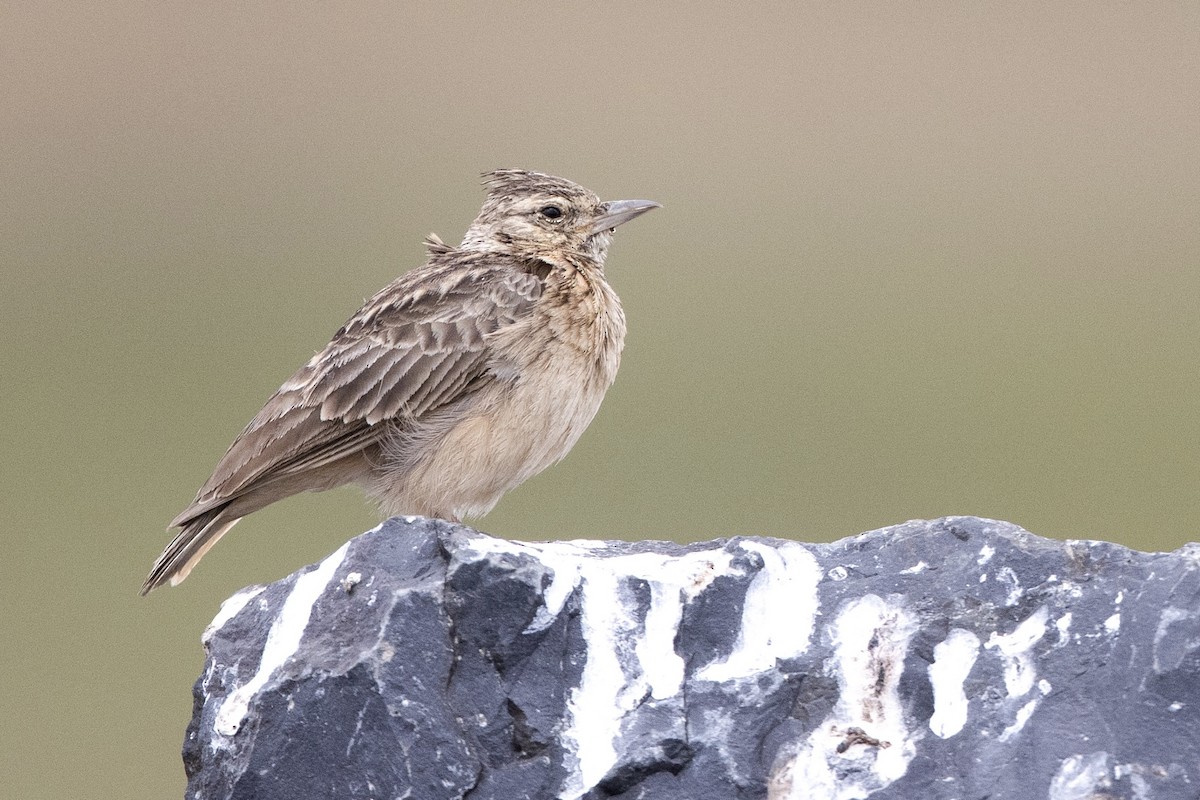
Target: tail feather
[187, 548]
[200, 530]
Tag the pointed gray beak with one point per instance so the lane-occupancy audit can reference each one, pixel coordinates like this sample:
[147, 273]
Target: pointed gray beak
[617, 212]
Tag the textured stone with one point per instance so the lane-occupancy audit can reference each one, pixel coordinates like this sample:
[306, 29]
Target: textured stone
[958, 658]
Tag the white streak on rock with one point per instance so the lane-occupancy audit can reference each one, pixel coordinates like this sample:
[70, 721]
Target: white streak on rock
[661, 666]
[1080, 777]
[613, 684]
[1063, 626]
[563, 559]
[566, 577]
[870, 639]
[1023, 715]
[1142, 789]
[229, 610]
[778, 615]
[595, 707]
[1169, 616]
[915, 569]
[628, 658]
[985, 554]
[1016, 650]
[1112, 625]
[953, 659]
[282, 641]
[1168, 653]
[1008, 577]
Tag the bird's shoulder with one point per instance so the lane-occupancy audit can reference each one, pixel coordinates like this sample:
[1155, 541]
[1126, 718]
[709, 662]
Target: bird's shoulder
[464, 291]
[426, 330]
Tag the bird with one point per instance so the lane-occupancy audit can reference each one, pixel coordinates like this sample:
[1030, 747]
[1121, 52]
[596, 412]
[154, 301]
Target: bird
[452, 385]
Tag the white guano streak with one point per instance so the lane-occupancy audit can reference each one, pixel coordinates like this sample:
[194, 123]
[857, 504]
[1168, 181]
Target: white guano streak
[778, 614]
[608, 689]
[953, 659]
[229, 609]
[870, 639]
[282, 641]
[613, 683]
[1081, 777]
[1016, 650]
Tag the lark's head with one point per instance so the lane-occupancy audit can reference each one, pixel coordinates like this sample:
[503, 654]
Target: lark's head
[534, 216]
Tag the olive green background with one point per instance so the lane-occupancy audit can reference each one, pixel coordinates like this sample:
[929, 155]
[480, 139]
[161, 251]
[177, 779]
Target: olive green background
[913, 260]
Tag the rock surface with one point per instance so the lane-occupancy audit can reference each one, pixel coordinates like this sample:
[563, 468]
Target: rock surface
[957, 658]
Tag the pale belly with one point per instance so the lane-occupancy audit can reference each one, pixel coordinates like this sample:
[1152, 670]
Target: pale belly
[514, 431]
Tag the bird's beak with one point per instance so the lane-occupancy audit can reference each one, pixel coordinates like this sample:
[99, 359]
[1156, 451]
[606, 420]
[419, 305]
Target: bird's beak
[617, 212]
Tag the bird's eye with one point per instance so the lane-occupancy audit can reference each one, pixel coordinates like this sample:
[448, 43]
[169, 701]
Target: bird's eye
[550, 212]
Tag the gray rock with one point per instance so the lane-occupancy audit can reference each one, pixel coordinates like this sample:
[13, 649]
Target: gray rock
[958, 658]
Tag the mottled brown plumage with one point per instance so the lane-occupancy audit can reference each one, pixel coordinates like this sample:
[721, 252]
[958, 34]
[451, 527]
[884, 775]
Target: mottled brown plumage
[452, 385]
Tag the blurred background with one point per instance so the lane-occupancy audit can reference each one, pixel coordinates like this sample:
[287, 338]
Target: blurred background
[911, 262]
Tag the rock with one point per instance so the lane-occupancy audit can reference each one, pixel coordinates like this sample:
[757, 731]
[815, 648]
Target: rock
[958, 658]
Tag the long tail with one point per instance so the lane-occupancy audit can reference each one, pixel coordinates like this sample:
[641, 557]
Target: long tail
[196, 537]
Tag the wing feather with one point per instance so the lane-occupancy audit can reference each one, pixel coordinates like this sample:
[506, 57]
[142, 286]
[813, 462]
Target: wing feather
[417, 346]
[445, 371]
